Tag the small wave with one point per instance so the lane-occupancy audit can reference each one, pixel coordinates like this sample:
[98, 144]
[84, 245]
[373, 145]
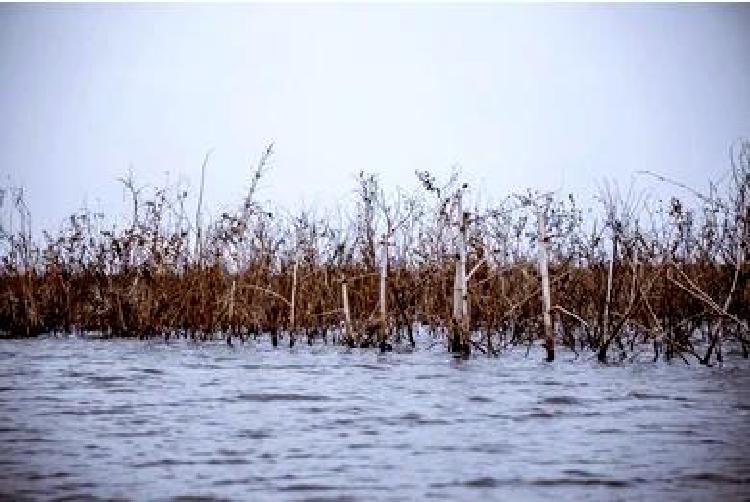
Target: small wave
[333, 498]
[343, 421]
[264, 398]
[715, 477]
[609, 431]
[248, 481]
[484, 482]
[480, 399]
[149, 371]
[537, 414]
[254, 434]
[77, 374]
[413, 418]
[165, 462]
[201, 366]
[143, 434]
[76, 485]
[40, 477]
[33, 440]
[106, 380]
[314, 409]
[480, 482]
[579, 472]
[120, 410]
[306, 487]
[360, 446]
[582, 481]
[430, 376]
[227, 461]
[197, 498]
[491, 448]
[552, 383]
[648, 395]
[374, 367]
[569, 400]
[711, 441]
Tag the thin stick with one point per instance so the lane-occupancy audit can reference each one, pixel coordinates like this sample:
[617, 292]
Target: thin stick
[198, 223]
[549, 337]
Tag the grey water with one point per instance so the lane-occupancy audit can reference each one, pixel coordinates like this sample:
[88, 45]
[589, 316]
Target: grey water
[126, 419]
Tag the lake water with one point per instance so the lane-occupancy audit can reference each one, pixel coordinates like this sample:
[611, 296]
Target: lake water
[83, 418]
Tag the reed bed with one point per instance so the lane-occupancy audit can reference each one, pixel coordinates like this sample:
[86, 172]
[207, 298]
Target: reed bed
[479, 278]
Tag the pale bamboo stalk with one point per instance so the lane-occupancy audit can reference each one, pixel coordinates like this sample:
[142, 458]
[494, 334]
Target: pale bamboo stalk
[198, 222]
[635, 273]
[292, 303]
[549, 338]
[383, 305]
[460, 298]
[608, 297]
[231, 302]
[609, 336]
[348, 334]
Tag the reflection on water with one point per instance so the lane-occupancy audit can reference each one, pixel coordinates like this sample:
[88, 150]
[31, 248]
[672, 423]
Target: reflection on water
[135, 420]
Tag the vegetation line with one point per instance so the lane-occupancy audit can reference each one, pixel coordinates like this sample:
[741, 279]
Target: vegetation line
[478, 278]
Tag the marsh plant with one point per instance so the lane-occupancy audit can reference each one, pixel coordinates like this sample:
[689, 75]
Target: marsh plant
[669, 275]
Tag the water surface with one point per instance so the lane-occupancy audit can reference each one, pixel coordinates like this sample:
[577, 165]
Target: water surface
[82, 418]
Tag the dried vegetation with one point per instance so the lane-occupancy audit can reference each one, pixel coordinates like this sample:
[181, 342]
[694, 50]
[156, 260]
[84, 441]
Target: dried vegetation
[476, 278]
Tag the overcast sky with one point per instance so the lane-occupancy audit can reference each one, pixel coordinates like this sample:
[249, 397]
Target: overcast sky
[518, 96]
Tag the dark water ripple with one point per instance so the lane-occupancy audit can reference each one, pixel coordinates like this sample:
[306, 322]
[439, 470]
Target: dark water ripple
[102, 420]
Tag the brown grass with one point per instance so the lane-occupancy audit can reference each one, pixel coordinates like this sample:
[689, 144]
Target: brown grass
[672, 275]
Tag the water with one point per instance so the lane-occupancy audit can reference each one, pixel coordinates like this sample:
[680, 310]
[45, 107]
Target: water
[145, 420]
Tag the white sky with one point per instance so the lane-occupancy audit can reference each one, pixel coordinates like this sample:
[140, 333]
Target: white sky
[518, 96]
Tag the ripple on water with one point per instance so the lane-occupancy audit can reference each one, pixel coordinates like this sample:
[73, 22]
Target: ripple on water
[254, 433]
[566, 400]
[584, 481]
[480, 399]
[196, 422]
[270, 397]
[650, 395]
[416, 419]
[714, 478]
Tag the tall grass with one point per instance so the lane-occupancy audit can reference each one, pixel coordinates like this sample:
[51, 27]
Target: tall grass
[673, 275]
